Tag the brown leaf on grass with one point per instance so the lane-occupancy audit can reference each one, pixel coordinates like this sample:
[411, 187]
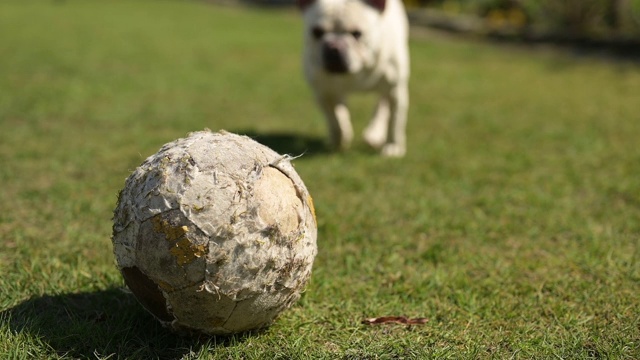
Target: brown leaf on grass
[395, 320]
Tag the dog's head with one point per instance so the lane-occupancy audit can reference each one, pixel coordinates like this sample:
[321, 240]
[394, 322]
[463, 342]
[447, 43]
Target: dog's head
[342, 36]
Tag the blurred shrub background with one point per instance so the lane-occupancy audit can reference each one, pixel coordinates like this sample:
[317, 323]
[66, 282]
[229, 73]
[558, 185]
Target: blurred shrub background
[569, 18]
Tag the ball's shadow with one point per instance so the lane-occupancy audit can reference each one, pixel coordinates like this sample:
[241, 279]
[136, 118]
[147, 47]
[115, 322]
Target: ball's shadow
[101, 323]
[289, 143]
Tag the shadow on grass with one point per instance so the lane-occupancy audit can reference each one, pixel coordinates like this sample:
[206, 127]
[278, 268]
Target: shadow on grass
[289, 143]
[103, 323]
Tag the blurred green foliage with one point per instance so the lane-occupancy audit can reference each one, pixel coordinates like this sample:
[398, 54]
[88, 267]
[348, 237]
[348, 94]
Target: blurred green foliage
[593, 18]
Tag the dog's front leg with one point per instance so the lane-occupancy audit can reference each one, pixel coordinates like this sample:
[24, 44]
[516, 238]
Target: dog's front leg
[338, 120]
[396, 133]
[376, 132]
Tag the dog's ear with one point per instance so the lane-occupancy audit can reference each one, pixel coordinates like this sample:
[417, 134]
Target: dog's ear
[303, 4]
[377, 4]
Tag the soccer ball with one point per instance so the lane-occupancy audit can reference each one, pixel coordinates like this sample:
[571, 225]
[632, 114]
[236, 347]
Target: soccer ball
[215, 234]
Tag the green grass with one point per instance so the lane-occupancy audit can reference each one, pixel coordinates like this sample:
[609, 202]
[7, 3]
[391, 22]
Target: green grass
[512, 224]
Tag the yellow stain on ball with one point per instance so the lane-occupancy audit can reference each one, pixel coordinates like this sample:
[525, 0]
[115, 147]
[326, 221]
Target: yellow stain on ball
[171, 233]
[312, 208]
[183, 250]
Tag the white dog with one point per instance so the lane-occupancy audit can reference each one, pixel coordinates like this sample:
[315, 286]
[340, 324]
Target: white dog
[359, 45]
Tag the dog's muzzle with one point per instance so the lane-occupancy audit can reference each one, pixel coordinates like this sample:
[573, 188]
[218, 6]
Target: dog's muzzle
[334, 58]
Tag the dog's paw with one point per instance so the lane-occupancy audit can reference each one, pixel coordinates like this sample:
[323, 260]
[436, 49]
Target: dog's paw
[373, 138]
[342, 147]
[393, 150]
[340, 143]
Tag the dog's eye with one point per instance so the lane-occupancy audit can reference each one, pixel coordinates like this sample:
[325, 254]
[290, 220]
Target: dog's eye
[317, 32]
[357, 34]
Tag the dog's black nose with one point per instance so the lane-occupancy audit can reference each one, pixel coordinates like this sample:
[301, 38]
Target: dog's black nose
[334, 59]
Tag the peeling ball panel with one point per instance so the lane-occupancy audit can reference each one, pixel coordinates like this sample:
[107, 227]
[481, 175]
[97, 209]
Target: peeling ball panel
[215, 233]
[147, 292]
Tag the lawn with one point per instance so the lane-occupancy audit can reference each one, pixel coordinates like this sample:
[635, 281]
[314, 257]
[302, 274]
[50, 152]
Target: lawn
[513, 223]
